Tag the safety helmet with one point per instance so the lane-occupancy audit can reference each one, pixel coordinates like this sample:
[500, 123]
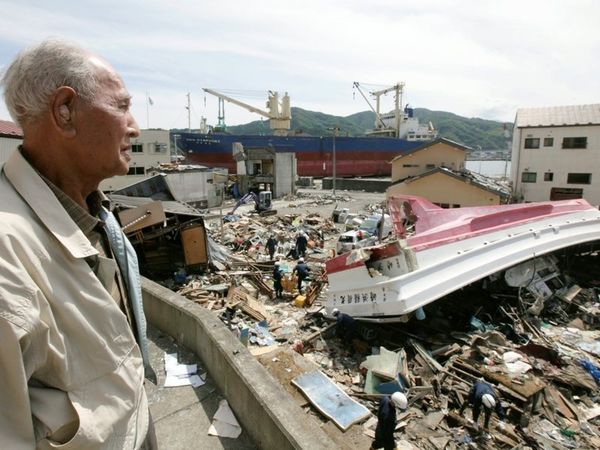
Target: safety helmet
[300, 260]
[277, 263]
[488, 401]
[335, 312]
[399, 400]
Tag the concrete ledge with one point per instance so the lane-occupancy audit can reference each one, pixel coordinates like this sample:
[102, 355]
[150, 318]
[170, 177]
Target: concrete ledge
[358, 184]
[266, 411]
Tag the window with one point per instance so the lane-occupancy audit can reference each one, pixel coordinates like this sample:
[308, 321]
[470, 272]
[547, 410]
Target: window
[557, 193]
[574, 142]
[549, 176]
[430, 166]
[528, 177]
[532, 142]
[579, 178]
[160, 148]
[410, 165]
[548, 142]
[137, 148]
[135, 170]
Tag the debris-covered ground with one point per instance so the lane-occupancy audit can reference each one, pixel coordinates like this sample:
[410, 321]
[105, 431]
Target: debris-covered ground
[536, 342]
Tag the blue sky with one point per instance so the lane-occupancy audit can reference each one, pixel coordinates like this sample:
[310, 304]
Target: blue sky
[473, 58]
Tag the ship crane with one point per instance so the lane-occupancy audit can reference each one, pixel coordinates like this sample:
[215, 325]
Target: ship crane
[380, 127]
[279, 112]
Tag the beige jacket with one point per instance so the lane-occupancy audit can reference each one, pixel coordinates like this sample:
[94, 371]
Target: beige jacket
[71, 373]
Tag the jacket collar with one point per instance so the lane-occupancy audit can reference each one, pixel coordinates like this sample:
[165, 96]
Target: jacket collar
[46, 206]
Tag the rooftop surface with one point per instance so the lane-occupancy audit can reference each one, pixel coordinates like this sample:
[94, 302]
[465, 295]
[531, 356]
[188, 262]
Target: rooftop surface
[558, 116]
[9, 129]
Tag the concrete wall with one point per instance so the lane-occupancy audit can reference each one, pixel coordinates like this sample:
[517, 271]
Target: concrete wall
[266, 411]
[437, 155]
[357, 184]
[285, 174]
[556, 160]
[156, 150]
[195, 187]
[444, 189]
[7, 146]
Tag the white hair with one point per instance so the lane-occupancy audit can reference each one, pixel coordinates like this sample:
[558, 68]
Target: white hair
[38, 71]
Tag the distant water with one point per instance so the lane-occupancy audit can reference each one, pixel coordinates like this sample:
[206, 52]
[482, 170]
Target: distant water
[494, 169]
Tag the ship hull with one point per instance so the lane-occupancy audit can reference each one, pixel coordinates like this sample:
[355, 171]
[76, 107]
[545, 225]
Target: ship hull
[355, 156]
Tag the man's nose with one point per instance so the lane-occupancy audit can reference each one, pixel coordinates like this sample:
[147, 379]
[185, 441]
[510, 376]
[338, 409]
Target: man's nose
[134, 129]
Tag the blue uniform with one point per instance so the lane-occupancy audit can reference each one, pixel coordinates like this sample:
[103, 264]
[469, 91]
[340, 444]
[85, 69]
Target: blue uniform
[386, 424]
[271, 246]
[302, 270]
[301, 243]
[478, 390]
[345, 328]
[277, 276]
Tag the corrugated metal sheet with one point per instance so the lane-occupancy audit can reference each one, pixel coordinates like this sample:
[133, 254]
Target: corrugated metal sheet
[171, 207]
[559, 116]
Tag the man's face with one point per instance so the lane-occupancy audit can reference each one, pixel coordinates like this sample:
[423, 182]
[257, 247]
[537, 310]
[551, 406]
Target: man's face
[105, 127]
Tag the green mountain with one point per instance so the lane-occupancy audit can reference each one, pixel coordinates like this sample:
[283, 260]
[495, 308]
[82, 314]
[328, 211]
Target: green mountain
[473, 132]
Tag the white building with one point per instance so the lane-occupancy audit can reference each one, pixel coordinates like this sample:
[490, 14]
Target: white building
[150, 149]
[556, 153]
[11, 137]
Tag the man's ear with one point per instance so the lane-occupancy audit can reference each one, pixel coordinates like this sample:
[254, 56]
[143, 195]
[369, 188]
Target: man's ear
[62, 111]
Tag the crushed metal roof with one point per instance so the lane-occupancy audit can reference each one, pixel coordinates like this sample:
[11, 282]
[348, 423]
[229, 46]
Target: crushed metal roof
[171, 207]
[176, 167]
[556, 116]
[432, 143]
[481, 181]
[9, 129]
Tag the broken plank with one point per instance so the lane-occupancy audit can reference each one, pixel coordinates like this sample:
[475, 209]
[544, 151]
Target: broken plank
[435, 366]
[319, 332]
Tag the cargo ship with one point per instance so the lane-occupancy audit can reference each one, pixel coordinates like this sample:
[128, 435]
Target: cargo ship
[370, 155]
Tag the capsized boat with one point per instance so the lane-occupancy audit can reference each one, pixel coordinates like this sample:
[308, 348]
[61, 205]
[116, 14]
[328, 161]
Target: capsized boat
[438, 251]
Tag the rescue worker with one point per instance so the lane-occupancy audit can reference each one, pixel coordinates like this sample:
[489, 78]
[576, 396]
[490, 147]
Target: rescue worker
[301, 243]
[277, 276]
[386, 420]
[293, 253]
[271, 246]
[303, 271]
[345, 327]
[483, 394]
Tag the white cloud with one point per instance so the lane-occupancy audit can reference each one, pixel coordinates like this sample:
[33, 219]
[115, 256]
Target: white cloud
[474, 58]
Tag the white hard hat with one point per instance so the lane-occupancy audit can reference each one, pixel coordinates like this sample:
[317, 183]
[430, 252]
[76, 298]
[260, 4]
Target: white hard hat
[300, 260]
[335, 312]
[488, 401]
[277, 263]
[399, 400]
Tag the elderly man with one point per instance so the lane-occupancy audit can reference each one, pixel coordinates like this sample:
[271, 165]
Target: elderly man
[72, 326]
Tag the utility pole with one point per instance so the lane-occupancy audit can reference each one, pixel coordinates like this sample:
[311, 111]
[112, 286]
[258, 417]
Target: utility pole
[335, 132]
[147, 111]
[188, 107]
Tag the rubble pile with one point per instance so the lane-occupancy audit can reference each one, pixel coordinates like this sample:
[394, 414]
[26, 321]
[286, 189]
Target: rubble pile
[532, 332]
